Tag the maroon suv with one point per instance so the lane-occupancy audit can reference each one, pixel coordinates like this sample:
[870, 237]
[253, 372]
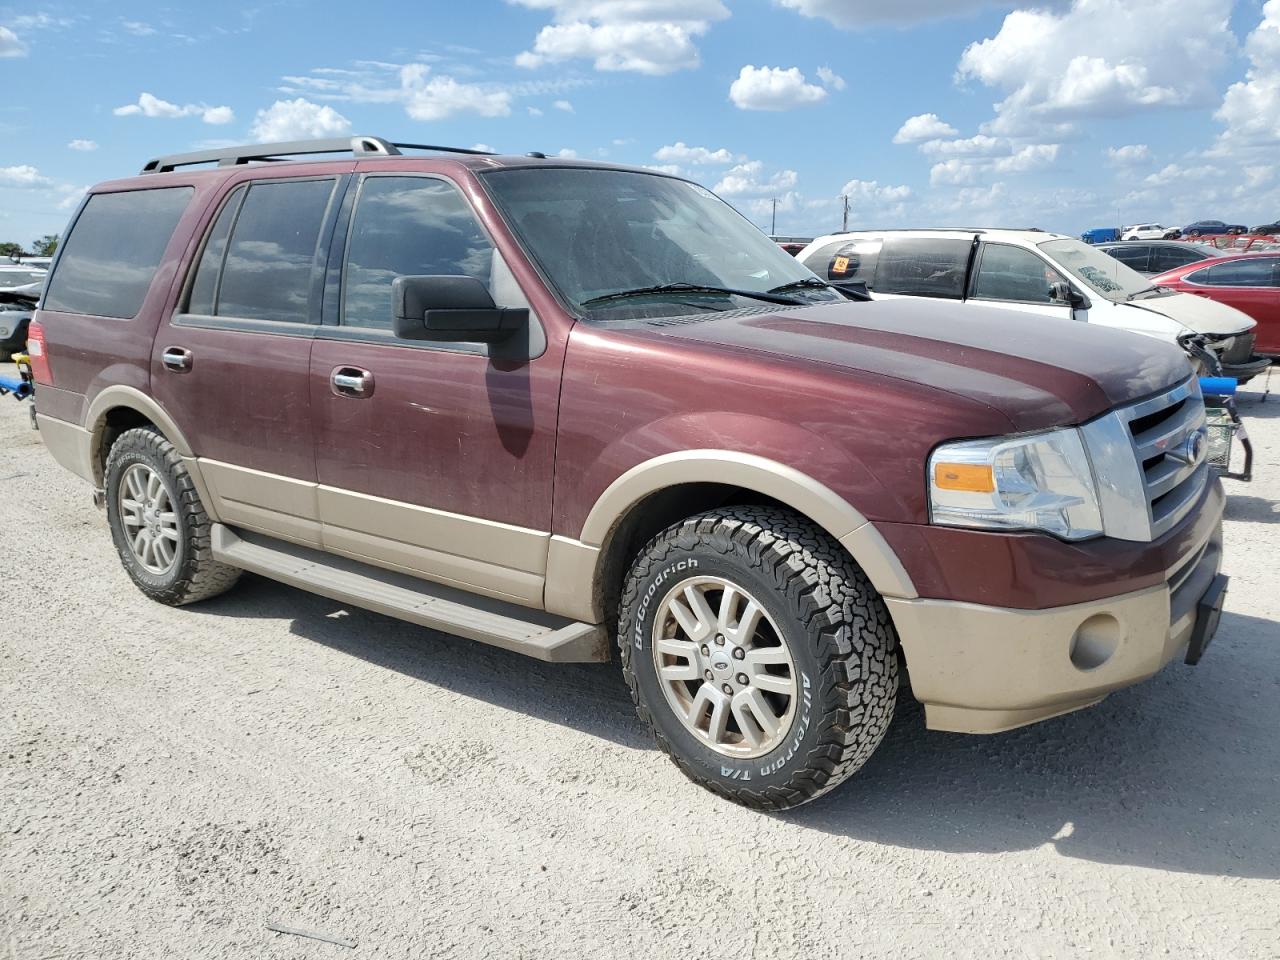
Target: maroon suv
[544, 403]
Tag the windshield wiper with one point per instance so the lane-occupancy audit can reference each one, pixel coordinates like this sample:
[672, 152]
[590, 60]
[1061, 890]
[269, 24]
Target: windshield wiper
[767, 296]
[1145, 293]
[812, 283]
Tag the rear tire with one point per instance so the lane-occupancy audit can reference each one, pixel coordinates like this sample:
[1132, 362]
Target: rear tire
[159, 526]
[821, 632]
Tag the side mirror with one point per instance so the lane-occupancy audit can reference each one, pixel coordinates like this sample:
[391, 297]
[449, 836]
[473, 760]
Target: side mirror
[455, 309]
[1062, 292]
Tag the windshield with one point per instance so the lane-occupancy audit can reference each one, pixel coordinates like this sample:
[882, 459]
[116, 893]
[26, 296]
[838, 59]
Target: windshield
[20, 278]
[600, 232]
[1097, 270]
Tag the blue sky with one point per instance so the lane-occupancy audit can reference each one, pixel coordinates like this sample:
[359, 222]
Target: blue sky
[1063, 115]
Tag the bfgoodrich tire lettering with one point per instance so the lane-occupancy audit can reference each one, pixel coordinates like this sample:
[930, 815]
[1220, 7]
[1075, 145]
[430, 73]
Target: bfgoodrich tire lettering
[835, 628]
[193, 574]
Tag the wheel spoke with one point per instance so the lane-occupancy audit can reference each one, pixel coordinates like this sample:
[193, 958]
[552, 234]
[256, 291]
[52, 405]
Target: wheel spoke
[763, 656]
[693, 615]
[164, 551]
[755, 717]
[772, 683]
[713, 705]
[153, 485]
[675, 647]
[728, 607]
[680, 671]
[747, 623]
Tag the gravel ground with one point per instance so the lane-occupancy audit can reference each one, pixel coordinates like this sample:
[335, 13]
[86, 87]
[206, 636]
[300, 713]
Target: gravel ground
[171, 781]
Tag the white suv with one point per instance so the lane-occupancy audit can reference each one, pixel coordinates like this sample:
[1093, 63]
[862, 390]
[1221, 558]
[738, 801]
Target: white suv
[1144, 231]
[1045, 275]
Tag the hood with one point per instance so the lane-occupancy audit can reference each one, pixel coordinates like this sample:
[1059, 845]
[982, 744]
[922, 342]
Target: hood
[1038, 372]
[1197, 314]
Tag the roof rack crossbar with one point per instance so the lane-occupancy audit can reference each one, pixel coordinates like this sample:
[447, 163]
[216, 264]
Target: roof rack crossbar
[262, 152]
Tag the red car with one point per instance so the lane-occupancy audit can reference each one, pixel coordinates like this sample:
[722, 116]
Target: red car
[1249, 282]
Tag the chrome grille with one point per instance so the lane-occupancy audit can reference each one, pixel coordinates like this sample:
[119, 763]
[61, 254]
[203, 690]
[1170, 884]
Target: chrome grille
[1164, 438]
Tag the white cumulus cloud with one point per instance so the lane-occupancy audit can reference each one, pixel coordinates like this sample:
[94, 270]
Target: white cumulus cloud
[1130, 154]
[748, 179]
[924, 126]
[1099, 58]
[298, 119]
[641, 36]
[679, 152]
[428, 97]
[149, 105]
[1251, 108]
[773, 88]
[83, 145]
[23, 175]
[10, 45]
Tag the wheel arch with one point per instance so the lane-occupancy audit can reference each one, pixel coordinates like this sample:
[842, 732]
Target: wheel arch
[118, 408]
[584, 576]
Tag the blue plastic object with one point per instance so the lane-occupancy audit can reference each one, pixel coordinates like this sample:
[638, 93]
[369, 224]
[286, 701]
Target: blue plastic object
[1218, 386]
[19, 388]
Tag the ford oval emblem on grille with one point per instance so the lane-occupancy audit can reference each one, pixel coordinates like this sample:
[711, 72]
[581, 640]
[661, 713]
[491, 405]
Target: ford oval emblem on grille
[1191, 449]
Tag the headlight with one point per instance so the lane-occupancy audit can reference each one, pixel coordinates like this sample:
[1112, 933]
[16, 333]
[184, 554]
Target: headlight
[1037, 482]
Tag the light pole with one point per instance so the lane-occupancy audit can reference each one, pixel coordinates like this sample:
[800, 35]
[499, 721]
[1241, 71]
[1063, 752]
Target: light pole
[844, 222]
[773, 219]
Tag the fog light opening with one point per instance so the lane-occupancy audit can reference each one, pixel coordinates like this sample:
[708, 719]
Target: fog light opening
[1095, 641]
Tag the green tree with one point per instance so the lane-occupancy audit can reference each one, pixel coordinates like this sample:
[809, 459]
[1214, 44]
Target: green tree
[10, 249]
[46, 245]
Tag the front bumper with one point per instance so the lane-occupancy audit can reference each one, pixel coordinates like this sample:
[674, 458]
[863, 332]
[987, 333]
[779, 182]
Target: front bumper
[1244, 372]
[984, 669]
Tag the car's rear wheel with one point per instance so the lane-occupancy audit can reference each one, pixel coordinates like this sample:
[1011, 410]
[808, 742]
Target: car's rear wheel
[159, 526]
[759, 655]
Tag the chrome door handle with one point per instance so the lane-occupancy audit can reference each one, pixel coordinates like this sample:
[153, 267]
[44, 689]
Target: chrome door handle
[177, 359]
[351, 382]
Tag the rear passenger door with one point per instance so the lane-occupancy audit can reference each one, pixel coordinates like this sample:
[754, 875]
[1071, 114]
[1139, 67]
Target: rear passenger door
[433, 458]
[1251, 286]
[232, 363]
[1015, 278]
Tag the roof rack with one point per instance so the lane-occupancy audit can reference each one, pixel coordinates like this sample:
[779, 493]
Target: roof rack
[274, 152]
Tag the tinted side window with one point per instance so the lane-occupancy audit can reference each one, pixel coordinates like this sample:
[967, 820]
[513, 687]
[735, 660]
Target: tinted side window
[1136, 256]
[1166, 258]
[113, 251]
[406, 227]
[923, 267]
[267, 271]
[1011, 273]
[1239, 273]
[205, 286]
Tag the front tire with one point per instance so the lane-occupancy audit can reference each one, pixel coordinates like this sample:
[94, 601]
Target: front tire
[159, 526]
[759, 655]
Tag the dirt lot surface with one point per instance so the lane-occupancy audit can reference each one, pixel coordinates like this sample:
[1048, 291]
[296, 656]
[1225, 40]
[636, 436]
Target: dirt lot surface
[171, 781]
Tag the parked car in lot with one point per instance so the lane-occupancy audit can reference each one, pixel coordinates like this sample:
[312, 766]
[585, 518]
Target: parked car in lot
[1101, 235]
[1144, 231]
[1267, 229]
[541, 403]
[1249, 283]
[792, 245]
[20, 289]
[1029, 272]
[1149, 257]
[1212, 228]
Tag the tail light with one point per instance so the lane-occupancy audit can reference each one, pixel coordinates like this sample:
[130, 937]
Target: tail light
[41, 372]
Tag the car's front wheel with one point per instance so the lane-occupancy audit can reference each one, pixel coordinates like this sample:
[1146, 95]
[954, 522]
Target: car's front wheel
[759, 655]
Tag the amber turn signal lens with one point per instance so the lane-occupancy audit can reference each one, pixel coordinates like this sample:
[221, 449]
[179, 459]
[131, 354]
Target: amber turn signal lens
[969, 477]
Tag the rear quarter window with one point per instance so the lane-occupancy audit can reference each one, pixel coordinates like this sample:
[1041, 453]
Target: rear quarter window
[111, 256]
[923, 267]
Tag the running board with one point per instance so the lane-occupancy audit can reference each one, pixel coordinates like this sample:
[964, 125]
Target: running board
[523, 630]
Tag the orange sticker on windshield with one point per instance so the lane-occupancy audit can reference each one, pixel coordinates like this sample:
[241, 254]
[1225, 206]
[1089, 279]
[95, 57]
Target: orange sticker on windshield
[841, 264]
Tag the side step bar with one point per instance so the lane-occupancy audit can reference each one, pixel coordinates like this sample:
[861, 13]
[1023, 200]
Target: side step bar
[531, 632]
